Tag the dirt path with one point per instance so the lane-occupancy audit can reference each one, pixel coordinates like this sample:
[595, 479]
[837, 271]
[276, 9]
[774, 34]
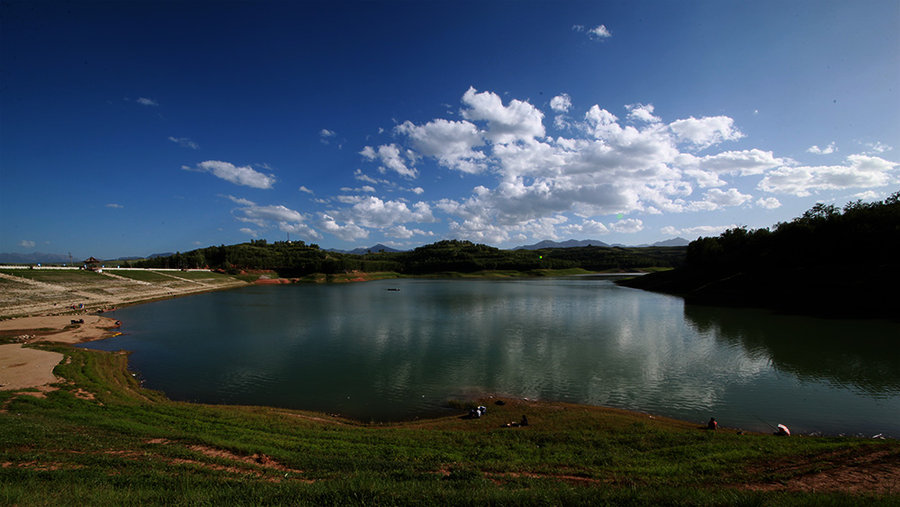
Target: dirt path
[182, 279]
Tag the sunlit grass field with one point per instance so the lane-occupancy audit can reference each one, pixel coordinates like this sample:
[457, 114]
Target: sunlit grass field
[58, 276]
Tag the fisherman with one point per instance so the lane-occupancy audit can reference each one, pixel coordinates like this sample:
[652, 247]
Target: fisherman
[712, 424]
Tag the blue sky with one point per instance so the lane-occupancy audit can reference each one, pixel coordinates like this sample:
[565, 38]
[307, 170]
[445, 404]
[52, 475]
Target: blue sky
[128, 128]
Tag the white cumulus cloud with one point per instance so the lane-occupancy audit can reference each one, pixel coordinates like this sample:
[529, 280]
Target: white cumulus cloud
[868, 195]
[239, 175]
[730, 197]
[705, 132]
[743, 163]
[452, 143]
[401, 232]
[642, 112]
[561, 103]
[25, 243]
[831, 148]
[696, 231]
[584, 229]
[768, 202]
[517, 121]
[371, 211]
[261, 215]
[391, 158]
[273, 215]
[347, 232]
[859, 171]
[627, 225]
[526, 184]
[600, 32]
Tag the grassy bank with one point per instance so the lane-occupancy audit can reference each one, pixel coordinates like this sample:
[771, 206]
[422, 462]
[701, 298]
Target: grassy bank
[101, 439]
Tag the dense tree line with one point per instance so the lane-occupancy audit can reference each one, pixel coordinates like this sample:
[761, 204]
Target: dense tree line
[291, 259]
[829, 261]
[597, 258]
[862, 234]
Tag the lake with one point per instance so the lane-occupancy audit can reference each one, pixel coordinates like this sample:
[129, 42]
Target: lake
[400, 349]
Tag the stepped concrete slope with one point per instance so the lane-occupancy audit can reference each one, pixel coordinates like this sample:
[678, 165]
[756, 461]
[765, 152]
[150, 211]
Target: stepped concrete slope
[26, 292]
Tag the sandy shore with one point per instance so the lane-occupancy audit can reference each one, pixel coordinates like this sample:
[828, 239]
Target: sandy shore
[45, 302]
[22, 367]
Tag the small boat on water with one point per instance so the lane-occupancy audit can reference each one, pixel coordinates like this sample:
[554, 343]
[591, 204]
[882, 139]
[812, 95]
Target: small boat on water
[393, 290]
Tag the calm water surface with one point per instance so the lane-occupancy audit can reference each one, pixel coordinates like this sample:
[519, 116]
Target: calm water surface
[364, 351]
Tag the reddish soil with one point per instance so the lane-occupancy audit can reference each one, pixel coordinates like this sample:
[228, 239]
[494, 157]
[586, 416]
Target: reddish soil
[856, 471]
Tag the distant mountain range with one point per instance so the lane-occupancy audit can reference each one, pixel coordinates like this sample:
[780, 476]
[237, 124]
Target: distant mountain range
[50, 258]
[593, 242]
[564, 244]
[36, 258]
[673, 242]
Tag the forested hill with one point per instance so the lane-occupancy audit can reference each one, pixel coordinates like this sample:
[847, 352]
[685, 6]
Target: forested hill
[294, 259]
[829, 261]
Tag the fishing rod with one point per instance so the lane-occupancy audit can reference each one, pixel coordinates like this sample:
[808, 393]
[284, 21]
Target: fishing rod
[766, 423]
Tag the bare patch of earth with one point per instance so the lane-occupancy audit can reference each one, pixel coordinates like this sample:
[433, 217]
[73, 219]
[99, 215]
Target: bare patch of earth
[240, 463]
[855, 471]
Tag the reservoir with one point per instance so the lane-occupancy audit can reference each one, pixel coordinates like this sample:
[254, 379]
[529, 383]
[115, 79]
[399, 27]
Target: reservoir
[400, 349]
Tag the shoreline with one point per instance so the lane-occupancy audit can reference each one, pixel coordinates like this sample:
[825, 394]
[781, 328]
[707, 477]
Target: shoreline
[24, 368]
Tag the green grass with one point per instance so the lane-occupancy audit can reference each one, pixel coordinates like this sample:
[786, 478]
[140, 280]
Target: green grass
[6, 283]
[140, 275]
[57, 276]
[132, 445]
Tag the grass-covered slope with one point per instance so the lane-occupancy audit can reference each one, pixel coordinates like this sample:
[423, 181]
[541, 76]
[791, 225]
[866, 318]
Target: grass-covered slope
[101, 439]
